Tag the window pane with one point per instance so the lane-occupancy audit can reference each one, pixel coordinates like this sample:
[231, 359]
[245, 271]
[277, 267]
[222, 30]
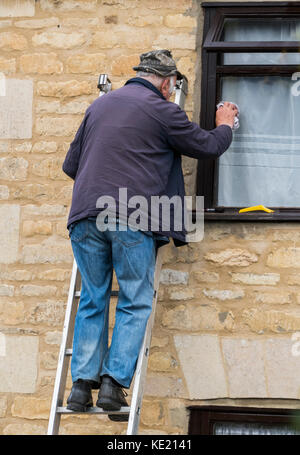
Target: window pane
[275, 29]
[262, 30]
[234, 428]
[261, 58]
[262, 165]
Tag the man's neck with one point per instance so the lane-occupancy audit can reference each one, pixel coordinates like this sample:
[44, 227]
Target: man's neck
[146, 83]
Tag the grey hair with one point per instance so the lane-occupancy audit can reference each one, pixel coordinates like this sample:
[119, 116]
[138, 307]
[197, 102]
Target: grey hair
[155, 79]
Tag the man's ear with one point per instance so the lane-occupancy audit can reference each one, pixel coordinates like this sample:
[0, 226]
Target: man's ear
[165, 87]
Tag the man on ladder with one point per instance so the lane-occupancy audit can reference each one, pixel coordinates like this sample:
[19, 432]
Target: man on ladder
[130, 138]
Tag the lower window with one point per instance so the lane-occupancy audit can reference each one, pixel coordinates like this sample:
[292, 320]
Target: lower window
[221, 420]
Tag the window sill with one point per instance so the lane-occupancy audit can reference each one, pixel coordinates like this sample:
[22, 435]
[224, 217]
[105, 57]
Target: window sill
[232, 214]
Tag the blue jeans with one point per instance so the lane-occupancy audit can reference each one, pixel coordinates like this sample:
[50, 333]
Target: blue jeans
[132, 255]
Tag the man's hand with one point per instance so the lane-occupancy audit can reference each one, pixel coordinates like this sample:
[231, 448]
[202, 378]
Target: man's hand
[225, 114]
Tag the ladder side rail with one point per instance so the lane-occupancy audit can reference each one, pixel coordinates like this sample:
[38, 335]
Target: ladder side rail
[141, 368]
[63, 359]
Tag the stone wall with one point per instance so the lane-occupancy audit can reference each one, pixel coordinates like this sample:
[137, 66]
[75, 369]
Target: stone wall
[228, 315]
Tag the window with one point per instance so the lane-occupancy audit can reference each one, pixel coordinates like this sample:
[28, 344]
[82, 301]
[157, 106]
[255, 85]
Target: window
[251, 56]
[222, 420]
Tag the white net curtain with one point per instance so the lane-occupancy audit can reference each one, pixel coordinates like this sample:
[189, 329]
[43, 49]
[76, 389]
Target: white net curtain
[262, 165]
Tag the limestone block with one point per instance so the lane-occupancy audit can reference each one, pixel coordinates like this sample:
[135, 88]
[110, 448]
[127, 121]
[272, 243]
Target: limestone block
[16, 275]
[53, 338]
[181, 294]
[170, 276]
[3, 406]
[64, 89]
[232, 257]
[10, 41]
[6, 290]
[59, 40]
[43, 210]
[48, 312]
[272, 320]
[122, 66]
[68, 5]
[204, 276]
[224, 294]
[36, 192]
[12, 168]
[9, 233]
[181, 5]
[31, 407]
[55, 275]
[7, 65]
[49, 360]
[179, 20]
[17, 8]
[201, 362]
[164, 386]
[294, 279]
[280, 297]
[41, 63]
[15, 429]
[5, 23]
[56, 126]
[143, 21]
[178, 414]
[284, 257]
[44, 147]
[47, 253]
[50, 167]
[33, 290]
[86, 63]
[55, 107]
[162, 361]
[18, 367]
[23, 147]
[16, 109]
[37, 23]
[152, 413]
[254, 278]
[41, 227]
[4, 192]
[195, 317]
[175, 41]
[282, 367]
[244, 361]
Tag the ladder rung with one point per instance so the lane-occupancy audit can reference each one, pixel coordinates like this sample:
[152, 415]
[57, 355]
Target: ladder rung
[113, 294]
[93, 410]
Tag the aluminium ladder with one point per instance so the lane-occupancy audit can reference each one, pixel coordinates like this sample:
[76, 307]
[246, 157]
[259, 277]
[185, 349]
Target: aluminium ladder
[132, 411]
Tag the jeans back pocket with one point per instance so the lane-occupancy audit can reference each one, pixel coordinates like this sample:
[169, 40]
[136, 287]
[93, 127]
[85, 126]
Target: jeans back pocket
[79, 230]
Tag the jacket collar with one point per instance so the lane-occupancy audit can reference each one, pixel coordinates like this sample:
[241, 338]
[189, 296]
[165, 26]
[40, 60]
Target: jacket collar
[140, 80]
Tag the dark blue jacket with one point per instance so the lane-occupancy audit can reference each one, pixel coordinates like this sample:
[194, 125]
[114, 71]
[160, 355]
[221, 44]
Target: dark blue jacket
[132, 137]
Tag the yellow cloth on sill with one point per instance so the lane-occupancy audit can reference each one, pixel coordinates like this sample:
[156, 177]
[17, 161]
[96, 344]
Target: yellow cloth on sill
[256, 207]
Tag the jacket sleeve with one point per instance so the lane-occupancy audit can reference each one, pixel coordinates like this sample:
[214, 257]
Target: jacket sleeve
[189, 139]
[71, 162]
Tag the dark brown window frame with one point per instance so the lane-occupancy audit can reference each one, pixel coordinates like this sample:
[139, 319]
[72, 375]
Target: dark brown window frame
[214, 15]
[203, 418]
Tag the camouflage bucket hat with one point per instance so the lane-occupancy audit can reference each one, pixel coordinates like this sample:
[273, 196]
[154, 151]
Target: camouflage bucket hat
[158, 62]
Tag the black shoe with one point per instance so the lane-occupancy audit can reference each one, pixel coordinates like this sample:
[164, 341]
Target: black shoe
[80, 398]
[111, 397]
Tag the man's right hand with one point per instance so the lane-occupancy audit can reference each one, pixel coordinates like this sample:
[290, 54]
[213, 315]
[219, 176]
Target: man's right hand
[225, 114]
